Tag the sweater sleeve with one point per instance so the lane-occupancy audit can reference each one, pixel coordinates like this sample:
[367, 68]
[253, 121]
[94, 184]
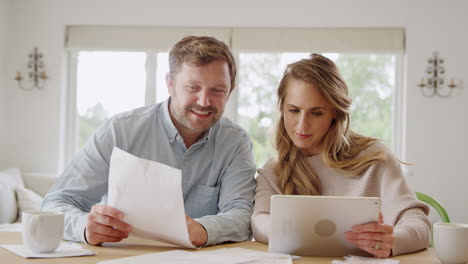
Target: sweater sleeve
[401, 208]
[412, 232]
[261, 220]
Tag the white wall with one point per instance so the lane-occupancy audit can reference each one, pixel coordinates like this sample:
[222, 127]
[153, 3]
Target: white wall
[4, 5]
[435, 127]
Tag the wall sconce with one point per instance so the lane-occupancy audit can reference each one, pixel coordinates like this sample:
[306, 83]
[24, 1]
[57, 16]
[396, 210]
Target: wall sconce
[435, 80]
[37, 74]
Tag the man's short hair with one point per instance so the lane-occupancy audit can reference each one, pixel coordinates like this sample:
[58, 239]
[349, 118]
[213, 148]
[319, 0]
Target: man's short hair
[201, 50]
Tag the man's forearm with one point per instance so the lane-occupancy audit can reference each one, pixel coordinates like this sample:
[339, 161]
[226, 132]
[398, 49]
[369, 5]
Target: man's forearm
[233, 225]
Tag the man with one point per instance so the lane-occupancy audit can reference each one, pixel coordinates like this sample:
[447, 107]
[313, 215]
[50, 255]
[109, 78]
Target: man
[185, 132]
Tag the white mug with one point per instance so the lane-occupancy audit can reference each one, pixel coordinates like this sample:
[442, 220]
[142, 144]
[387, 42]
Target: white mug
[451, 242]
[42, 231]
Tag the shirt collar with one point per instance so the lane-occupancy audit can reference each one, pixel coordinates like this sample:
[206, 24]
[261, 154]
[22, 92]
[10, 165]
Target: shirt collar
[167, 121]
[172, 131]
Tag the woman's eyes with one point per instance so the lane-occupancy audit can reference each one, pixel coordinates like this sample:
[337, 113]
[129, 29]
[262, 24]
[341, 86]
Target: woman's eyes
[312, 113]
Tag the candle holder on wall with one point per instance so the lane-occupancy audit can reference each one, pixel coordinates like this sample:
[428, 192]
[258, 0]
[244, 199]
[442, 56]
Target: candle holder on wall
[37, 75]
[435, 84]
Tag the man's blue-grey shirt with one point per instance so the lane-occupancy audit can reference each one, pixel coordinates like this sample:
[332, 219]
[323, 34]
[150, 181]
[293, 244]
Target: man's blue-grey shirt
[217, 172]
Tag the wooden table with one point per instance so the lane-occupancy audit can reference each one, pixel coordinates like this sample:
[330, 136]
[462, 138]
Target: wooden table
[135, 246]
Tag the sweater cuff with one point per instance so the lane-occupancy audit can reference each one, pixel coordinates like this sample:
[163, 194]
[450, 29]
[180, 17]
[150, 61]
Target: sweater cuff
[261, 225]
[412, 233]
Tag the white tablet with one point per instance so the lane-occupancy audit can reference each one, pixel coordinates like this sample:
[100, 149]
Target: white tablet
[315, 225]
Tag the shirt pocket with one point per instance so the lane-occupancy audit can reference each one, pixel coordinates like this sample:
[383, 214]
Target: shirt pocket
[205, 201]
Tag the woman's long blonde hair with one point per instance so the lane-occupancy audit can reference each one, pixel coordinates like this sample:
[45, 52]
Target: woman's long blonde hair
[341, 146]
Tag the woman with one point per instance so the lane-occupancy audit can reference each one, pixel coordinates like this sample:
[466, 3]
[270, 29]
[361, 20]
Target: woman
[317, 154]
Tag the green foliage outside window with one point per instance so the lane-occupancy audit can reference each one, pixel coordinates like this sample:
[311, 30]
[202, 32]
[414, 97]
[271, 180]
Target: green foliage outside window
[94, 117]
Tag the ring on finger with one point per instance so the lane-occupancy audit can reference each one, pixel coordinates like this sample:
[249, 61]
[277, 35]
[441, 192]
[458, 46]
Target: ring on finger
[377, 245]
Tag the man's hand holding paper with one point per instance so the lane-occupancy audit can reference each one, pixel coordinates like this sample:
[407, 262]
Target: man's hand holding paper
[105, 225]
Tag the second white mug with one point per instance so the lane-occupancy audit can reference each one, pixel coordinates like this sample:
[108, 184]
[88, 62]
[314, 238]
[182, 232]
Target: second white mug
[451, 242]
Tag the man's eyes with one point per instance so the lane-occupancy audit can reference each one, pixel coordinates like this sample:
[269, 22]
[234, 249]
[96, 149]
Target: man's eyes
[219, 91]
[196, 88]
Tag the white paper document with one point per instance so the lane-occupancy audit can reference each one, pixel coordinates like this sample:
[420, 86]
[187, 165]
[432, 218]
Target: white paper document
[224, 255]
[150, 195]
[65, 249]
[364, 260]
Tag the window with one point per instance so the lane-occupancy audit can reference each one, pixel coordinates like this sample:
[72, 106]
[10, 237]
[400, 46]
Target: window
[115, 69]
[107, 83]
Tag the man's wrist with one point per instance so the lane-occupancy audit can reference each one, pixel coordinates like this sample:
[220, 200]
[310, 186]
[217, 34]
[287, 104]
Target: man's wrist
[206, 227]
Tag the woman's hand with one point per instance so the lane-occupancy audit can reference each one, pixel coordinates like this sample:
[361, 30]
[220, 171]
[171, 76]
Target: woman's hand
[375, 238]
